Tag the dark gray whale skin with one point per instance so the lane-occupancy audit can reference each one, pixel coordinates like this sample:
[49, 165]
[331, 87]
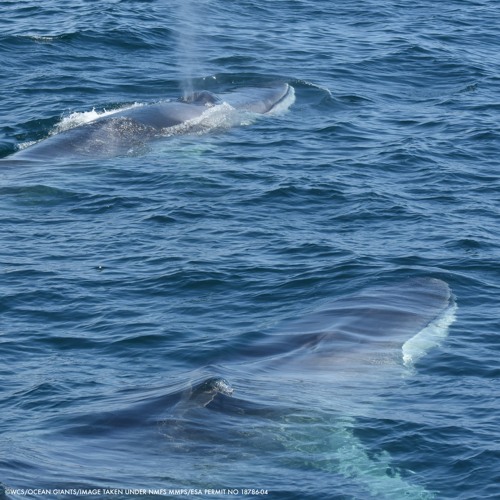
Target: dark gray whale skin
[127, 132]
[353, 332]
[355, 340]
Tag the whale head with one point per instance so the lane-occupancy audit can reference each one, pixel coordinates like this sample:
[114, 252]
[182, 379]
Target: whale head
[201, 98]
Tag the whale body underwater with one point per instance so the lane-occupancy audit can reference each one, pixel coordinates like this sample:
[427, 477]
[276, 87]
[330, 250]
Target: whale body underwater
[307, 381]
[382, 328]
[127, 131]
[294, 391]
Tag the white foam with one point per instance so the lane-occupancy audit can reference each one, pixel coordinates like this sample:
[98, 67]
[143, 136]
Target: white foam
[24, 145]
[220, 117]
[285, 103]
[428, 338]
[81, 117]
[76, 119]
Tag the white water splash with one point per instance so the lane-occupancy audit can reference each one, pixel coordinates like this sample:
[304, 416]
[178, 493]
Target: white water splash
[82, 117]
[220, 117]
[283, 106]
[76, 119]
[428, 338]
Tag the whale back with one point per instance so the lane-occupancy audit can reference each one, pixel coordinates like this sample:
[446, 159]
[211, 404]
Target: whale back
[127, 131]
[381, 326]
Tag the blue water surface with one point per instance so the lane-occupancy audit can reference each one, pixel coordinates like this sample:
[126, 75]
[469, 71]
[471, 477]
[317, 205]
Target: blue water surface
[129, 283]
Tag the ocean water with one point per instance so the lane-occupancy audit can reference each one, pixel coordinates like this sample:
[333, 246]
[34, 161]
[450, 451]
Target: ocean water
[157, 308]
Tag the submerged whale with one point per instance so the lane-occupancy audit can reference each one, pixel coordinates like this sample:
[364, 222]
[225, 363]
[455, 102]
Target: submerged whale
[295, 397]
[385, 325]
[380, 325]
[306, 386]
[127, 131]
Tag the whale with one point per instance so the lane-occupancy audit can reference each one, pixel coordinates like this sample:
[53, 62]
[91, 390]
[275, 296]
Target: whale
[360, 342]
[128, 131]
[379, 325]
[311, 382]
[297, 393]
